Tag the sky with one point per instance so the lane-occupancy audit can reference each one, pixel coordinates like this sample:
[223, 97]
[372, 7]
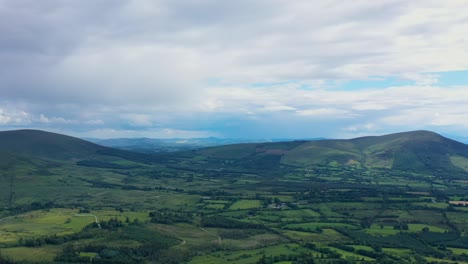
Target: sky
[234, 69]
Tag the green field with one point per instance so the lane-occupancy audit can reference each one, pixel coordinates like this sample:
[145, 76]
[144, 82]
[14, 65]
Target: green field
[245, 204]
[352, 201]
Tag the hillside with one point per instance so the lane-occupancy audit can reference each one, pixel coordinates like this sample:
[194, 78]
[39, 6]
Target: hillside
[154, 145]
[46, 144]
[421, 151]
[418, 151]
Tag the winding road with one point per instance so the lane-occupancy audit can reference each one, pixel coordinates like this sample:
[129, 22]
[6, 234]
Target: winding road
[219, 238]
[13, 216]
[95, 218]
[181, 244]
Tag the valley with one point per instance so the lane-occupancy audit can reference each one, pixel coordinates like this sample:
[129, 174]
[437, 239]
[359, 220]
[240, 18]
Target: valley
[398, 198]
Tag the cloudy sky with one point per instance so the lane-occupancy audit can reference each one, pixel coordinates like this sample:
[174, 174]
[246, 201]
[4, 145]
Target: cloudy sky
[242, 69]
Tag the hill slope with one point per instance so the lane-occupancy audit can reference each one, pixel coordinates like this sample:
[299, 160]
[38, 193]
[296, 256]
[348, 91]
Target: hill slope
[418, 151]
[421, 151]
[46, 144]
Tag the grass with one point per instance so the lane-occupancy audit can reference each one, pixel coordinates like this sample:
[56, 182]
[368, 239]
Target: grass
[437, 260]
[389, 230]
[256, 241]
[458, 251]
[460, 162]
[45, 253]
[315, 226]
[89, 254]
[350, 255]
[245, 204]
[433, 205]
[214, 206]
[297, 213]
[326, 236]
[397, 251]
[419, 227]
[39, 223]
[357, 247]
[57, 221]
[249, 256]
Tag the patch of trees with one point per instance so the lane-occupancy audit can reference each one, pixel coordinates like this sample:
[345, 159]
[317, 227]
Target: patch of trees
[56, 240]
[401, 226]
[449, 239]
[90, 231]
[303, 258]
[169, 217]
[209, 193]
[133, 187]
[112, 224]
[104, 165]
[132, 156]
[400, 240]
[362, 252]
[152, 249]
[34, 206]
[177, 190]
[5, 260]
[101, 184]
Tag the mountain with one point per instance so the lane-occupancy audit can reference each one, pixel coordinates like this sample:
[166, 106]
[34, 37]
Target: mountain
[154, 145]
[463, 139]
[418, 151]
[421, 151]
[46, 144]
[402, 191]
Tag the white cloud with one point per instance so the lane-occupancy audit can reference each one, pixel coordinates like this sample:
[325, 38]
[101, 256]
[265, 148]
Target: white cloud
[278, 107]
[143, 120]
[14, 117]
[54, 120]
[324, 113]
[151, 133]
[422, 79]
[199, 65]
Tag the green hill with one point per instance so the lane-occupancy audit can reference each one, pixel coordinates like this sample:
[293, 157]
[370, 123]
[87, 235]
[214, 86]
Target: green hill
[46, 144]
[401, 192]
[421, 151]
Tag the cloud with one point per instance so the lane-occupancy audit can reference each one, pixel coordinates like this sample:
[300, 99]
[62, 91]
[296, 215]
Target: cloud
[151, 133]
[323, 113]
[12, 117]
[139, 119]
[205, 65]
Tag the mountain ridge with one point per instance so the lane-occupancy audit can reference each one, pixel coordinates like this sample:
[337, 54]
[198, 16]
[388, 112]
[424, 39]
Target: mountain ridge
[419, 150]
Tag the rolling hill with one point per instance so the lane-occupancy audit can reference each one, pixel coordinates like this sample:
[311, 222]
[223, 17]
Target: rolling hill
[46, 144]
[153, 145]
[418, 151]
[422, 151]
[400, 191]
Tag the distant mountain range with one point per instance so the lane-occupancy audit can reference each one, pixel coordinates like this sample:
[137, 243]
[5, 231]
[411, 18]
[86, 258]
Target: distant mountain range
[417, 151]
[155, 145]
[152, 145]
[42, 166]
